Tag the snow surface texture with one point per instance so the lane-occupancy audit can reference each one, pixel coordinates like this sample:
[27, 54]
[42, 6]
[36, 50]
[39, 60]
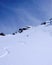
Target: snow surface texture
[31, 47]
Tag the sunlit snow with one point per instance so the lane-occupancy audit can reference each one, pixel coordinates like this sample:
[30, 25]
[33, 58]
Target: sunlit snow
[31, 47]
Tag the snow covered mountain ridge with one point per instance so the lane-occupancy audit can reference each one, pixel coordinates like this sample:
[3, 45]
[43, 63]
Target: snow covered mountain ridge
[31, 47]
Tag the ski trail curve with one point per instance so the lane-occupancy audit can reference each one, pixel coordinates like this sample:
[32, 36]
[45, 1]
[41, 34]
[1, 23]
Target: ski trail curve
[3, 52]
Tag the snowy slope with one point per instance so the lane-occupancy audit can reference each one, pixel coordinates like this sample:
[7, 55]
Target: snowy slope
[31, 47]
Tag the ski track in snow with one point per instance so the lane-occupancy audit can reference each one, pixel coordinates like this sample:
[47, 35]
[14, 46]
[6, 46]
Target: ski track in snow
[3, 52]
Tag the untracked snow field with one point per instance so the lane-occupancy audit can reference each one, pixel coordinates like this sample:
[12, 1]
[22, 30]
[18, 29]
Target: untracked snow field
[31, 47]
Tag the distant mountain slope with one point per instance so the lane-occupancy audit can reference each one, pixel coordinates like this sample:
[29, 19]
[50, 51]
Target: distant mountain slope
[31, 47]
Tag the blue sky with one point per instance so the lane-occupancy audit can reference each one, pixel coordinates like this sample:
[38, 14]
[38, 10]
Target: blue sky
[19, 13]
